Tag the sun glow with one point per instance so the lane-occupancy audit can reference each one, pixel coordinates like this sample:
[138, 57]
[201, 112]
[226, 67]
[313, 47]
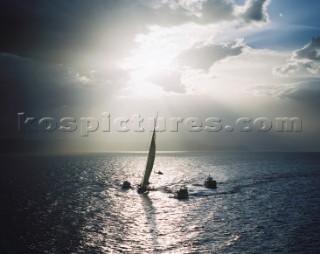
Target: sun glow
[145, 65]
[147, 62]
[155, 54]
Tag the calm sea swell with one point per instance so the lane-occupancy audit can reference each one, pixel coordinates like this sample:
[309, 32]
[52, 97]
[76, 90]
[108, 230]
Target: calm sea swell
[264, 203]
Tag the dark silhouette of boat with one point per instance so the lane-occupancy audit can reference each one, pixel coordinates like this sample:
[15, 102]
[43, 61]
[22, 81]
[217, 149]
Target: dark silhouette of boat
[126, 185]
[182, 193]
[210, 183]
[143, 187]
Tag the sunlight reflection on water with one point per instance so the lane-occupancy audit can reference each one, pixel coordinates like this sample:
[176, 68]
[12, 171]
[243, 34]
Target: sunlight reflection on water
[75, 204]
[156, 222]
[144, 223]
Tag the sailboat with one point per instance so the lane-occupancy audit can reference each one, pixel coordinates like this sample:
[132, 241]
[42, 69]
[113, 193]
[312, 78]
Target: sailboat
[182, 193]
[143, 187]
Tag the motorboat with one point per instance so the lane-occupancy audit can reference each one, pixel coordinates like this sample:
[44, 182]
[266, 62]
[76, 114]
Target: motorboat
[126, 185]
[210, 183]
[182, 193]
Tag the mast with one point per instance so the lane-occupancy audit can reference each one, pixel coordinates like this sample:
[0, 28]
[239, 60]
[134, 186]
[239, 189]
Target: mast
[151, 157]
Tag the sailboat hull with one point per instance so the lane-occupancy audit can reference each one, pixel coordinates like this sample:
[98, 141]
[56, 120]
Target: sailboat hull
[142, 190]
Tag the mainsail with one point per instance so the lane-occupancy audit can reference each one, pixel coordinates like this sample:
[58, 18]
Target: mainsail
[150, 161]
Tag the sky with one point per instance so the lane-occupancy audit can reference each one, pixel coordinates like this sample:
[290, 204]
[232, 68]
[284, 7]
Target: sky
[199, 59]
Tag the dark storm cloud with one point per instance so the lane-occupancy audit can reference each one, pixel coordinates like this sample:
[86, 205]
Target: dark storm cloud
[30, 86]
[38, 86]
[303, 61]
[311, 51]
[256, 10]
[204, 57]
[58, 30]
[55, 30]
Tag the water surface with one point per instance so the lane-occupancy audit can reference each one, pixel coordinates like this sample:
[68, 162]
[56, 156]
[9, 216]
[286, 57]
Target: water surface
[264, 203]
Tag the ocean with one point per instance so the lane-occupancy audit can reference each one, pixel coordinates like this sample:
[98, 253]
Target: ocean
[265, 203]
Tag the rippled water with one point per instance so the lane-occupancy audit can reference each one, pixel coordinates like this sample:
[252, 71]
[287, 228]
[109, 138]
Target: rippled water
[264, 203]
